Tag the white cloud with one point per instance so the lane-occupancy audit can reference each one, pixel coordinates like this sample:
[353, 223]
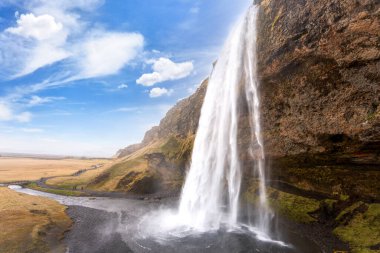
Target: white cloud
[45, 34]
[32, 130]
[158, 92]
[36, 100]
[43, 55]
[107, 53]
[6, 114]
[35, 42]
[164, 69]
[122, 86]
[23, 117]
[38, 27]
[127, 109]
[52, 31]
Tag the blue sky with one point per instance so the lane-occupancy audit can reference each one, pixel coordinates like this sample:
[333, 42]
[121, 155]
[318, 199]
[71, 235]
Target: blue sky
[87, 77]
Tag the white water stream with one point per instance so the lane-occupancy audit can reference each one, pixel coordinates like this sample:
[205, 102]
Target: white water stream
[215, 170]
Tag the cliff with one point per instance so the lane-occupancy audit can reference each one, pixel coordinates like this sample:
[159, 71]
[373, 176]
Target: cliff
[320, 78]
[319, 67]
[320, 92]
[158, 163]
[181, 121]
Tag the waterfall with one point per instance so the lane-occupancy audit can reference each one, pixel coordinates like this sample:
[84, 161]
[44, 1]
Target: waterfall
[216, 170]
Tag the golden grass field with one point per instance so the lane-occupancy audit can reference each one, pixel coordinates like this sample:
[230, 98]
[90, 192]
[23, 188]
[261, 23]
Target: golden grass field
[30, 223]
[68, 182]
[24, 169]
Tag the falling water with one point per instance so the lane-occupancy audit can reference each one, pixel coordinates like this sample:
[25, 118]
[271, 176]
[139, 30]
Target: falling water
[215, 169]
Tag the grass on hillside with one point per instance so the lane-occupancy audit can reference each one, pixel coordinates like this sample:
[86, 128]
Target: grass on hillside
[109, 179]
[30, 223]
[133, 170]
[78, 182]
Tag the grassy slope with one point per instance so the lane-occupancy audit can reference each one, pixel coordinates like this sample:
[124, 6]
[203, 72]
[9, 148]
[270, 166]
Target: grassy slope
[71, 182]
[30, 223]
[126, 173]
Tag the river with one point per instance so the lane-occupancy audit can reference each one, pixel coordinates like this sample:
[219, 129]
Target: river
[121, 225]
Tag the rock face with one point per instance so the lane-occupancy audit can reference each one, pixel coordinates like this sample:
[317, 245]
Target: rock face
[319, 65]
[320, 77]
[180, 121]
[320, 70]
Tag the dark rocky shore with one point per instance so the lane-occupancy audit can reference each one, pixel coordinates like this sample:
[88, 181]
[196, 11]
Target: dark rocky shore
[97, 231]
[94, 231]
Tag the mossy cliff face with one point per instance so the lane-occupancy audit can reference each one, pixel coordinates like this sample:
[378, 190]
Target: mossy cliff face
[319, 65]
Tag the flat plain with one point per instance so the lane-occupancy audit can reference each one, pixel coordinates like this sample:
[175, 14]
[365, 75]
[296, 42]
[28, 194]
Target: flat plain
[25, 169]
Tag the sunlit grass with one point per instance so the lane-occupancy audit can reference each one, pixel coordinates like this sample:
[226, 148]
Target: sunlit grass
[28, 223]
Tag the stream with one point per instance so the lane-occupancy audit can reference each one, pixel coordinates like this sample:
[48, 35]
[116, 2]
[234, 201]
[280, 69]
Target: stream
[127, 225]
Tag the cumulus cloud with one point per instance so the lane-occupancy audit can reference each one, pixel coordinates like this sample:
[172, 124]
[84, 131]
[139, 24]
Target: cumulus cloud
[107, 53]
[38, 27]
[6, 114]
[164, 69]
[36, 41]
[158, 92]
[52, 31]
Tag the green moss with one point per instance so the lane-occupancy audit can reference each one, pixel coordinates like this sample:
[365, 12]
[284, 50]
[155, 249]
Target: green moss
[344, 197]
[329, 204]
[171, 147]
[294, 207]
[349, 209]
[362, 231]
[34, 186]
[178, 149]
